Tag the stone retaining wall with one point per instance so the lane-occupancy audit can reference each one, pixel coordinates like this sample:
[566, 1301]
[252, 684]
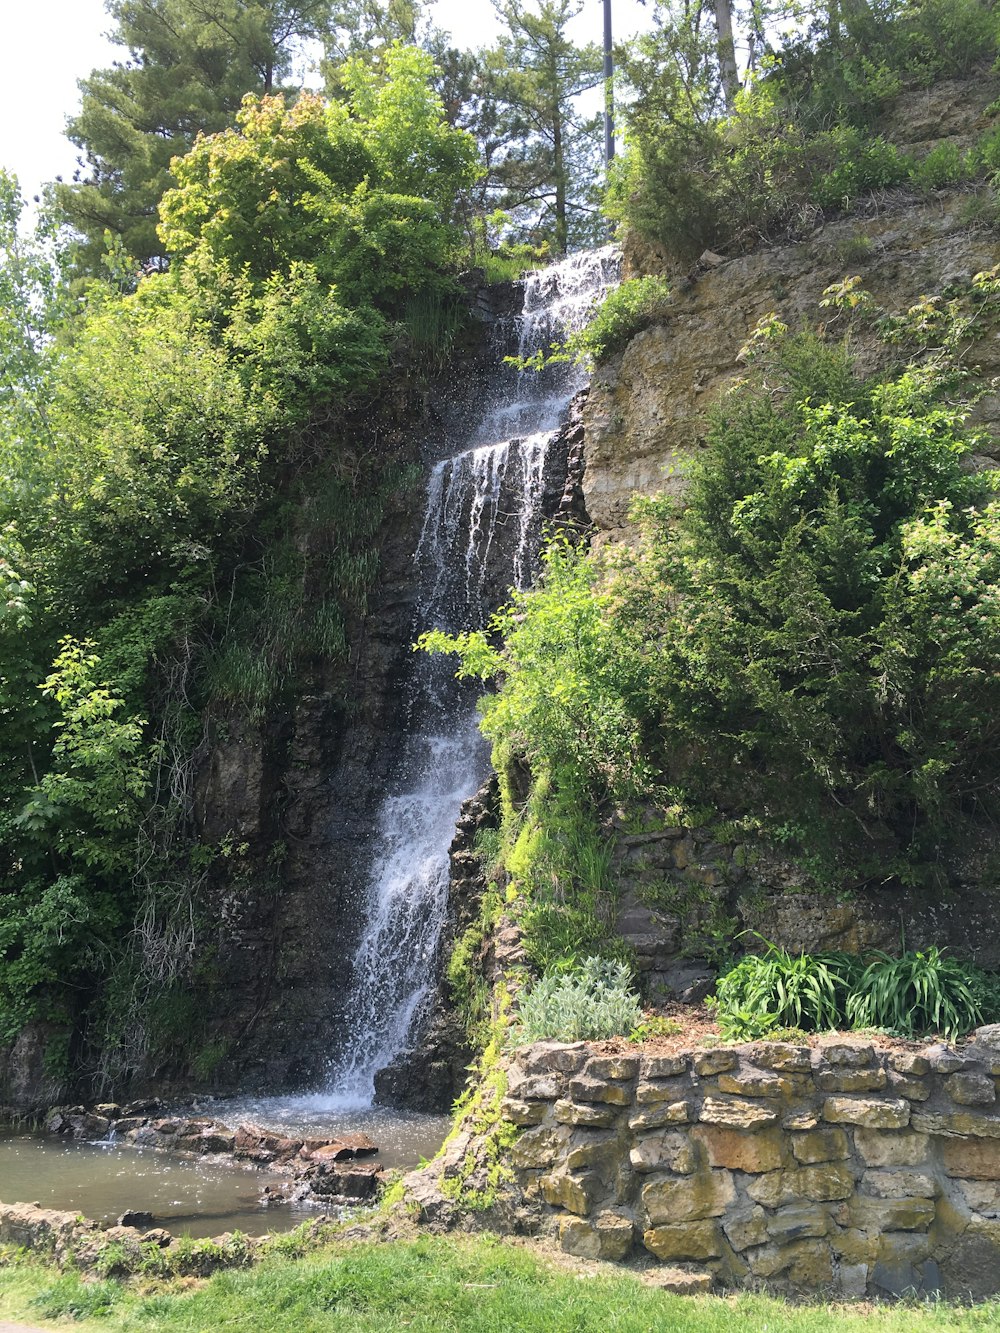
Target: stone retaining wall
[836, 1168]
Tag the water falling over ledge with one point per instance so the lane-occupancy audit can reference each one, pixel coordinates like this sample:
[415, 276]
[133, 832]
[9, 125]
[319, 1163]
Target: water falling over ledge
[479, 536]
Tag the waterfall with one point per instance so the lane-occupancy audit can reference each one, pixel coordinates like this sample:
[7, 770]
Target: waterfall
[479, 537]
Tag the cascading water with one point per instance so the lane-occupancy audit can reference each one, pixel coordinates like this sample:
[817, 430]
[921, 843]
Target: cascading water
[479, 537]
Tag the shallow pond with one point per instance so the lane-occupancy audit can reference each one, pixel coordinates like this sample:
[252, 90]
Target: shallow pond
[198, 1198]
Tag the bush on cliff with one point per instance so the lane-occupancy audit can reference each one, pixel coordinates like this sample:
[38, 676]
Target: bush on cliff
[802, 136]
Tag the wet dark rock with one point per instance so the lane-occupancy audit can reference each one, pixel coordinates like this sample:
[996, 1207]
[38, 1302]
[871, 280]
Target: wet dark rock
[135, 1217]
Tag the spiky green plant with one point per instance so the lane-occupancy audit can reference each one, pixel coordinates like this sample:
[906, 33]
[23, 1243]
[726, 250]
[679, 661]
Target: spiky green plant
[778, 989]
[920, 992]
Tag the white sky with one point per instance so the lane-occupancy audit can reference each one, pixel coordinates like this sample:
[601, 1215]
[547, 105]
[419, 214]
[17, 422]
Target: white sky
[53, 43]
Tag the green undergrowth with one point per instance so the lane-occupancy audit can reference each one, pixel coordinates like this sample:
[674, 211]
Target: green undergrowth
[809, 646]
[481, 1174]
[441, 1285]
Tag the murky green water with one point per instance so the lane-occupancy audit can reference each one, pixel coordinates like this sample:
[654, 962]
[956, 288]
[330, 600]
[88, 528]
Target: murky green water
[196, 1198]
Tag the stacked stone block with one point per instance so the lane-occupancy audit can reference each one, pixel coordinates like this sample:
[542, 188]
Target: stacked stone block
[835, 1168]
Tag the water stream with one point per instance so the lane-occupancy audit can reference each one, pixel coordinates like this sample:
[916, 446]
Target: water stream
[480, 535]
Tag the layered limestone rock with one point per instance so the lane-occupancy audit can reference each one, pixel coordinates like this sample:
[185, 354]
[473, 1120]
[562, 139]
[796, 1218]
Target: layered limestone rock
[836, 1167]
[648, 408]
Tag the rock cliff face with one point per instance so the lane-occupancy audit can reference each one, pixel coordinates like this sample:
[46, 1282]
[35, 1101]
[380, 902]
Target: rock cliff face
[647, 408]
[685, 896]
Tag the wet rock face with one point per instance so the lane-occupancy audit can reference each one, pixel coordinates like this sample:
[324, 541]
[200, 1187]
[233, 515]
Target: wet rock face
[833, 1168]
[29, 1077]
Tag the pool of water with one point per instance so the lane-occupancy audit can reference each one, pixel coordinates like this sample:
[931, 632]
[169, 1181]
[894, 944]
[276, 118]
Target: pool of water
[197, 1198]
[403, 1137]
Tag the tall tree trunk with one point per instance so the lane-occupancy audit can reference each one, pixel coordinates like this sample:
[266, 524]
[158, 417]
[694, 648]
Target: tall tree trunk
[727, 51]
[558, 161]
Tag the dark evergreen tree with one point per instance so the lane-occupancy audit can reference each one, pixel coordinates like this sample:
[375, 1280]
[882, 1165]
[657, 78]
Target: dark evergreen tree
[544, 159]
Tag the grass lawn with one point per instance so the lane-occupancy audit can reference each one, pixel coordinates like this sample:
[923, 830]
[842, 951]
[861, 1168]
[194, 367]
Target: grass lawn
[433, 1285]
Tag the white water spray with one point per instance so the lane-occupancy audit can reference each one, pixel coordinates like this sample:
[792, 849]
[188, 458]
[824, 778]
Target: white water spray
[480, 530]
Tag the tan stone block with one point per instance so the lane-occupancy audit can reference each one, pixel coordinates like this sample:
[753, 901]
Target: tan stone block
[800, 1120]
[736, 1114]
[745, 1228]
[851, 1080]
[769, 1189]
[593, 1148]
[891, 1148]
[538, 1147]
[598, 1090]
[823, 1183]
[880, 1215]
[913, 1089]
[958, 1123]
[574, 1193]
[666, 1113]
[781, 1055]
[663, 1066]
[978, 1159]
[754, 1085]
[899, 1184]
[615, 1234]
[821, 1145]
[982, 1196]
[612, 1066]
[665, 1151]
[685, 1240]
[887, 1113]
[714, 1062]
[850, 1054]
[579, 1238]
[806, 1264]
[734, 1148]
[909, 1062]
[679, 1281]
[799, 1221]
[523, 1113]
[651, 1094]
[688, 1198]
[855, 1247]
[971, 1089]
[568, 1113]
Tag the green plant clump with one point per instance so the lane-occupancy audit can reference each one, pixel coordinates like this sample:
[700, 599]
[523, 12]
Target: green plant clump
[777, 989]
[917, 994]
[589, 1004]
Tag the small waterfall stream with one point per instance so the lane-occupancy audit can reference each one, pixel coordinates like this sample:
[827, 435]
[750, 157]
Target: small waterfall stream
[480, 536]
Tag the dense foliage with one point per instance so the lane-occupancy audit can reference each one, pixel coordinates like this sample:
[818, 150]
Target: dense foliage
[591, 1003]
[802, 136]
[182, 518]
[810, 646]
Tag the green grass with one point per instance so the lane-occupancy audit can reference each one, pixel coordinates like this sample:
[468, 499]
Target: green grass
[435, 1285]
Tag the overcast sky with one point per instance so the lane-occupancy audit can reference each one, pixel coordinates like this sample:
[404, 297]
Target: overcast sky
[53, 43]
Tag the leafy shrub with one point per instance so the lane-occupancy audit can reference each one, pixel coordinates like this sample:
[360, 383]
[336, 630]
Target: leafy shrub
[917, 993]
[777, 989]
[586, 1005]
[624, 312]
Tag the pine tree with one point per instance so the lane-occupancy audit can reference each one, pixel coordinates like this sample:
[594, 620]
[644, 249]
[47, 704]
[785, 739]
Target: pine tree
[545, 164]
[189, 64]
